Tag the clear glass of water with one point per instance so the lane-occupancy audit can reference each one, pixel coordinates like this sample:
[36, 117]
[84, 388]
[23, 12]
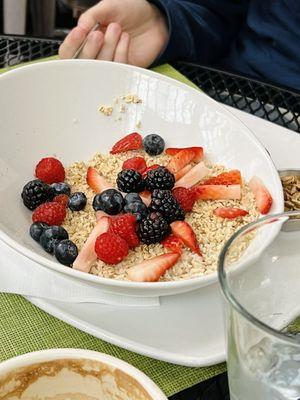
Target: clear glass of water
[259, 273]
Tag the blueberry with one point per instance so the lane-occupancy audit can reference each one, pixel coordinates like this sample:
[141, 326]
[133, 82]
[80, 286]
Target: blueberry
[51, 237]
[36, 230]
[77, 201]
[66, 252]
[153, 144]
[110, 201]
[131, 197]
[61, 188]
[138, 209]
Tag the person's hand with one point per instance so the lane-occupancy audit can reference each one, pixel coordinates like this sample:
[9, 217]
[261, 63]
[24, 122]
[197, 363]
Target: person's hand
[131, 31]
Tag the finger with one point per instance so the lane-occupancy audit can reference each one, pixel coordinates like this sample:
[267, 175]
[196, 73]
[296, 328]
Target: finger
[121, 53]
[93, 45]
[111, 39]
[72, 42]
[99, 13]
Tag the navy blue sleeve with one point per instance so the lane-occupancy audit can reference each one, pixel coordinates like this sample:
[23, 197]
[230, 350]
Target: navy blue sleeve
[200, 30]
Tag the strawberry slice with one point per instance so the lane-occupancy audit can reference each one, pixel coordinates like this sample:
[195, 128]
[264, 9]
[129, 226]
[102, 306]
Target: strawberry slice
[217, 192]
[198, 172]
[173, 243]
[150, 168]
[185, 233]
[146, 197]
[263, 198]
[230, 213]
[183, 171]
[225, 178]
[151, 270]
[198, 152]
[133, 141]
[87, 255]
[96, 181]
[180, 160]
[136, 163]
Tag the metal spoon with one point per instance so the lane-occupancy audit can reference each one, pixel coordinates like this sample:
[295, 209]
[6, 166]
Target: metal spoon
[78, 51]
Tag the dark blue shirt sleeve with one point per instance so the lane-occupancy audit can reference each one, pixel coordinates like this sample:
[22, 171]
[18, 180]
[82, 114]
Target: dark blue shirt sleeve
[200, 30]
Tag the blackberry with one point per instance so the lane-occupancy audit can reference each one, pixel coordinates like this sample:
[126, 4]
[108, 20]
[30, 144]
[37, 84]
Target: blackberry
[130, 180]
[153, 144]
[153, 229]
[35, 193]
[159, 178]
[162, 201]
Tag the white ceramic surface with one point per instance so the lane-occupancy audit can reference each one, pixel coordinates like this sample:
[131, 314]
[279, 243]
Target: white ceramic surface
[51, 109]
[27, 360]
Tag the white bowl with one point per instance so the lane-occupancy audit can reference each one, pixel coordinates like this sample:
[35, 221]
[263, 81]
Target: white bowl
[74, 373]
[51, 109]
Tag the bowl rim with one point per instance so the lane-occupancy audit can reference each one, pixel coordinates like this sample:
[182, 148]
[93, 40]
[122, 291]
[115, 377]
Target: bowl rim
[180, 284]
[41, 356]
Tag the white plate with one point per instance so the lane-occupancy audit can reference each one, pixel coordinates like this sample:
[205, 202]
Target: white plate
[51, 109]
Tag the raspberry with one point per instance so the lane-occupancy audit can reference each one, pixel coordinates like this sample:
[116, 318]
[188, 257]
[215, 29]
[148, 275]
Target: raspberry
[136, 163]
[111, 248]
[50, 170]
[51, 213]
[125, 226]
[61, 198]
[185, 197]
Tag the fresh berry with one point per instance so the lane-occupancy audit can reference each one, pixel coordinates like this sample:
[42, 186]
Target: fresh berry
[198, 152]
[225, 178]
[77, 201]
[217, 192]
[185, 197]
[184, 232]
[180, 160]
[153, 144]
[173, 244]
[35, 193]
[162, 201]
[51, 237]
[36, 230]
[152, 269]
[230, 213]
[66, 252]
[62, 198]
[150, 168]
[111, 248]
[132, 197]
[61, 188]
[87, 255]
[110, 201]
[159, 178]
[50, 170]
[51, 213]
[136, 163]
[138, 209]
[263, 198]
[133, 141]
[95, 181]
[183, 172]
[192, 177]
[145, 195]
[130, 180]
[125, 226]
[153, 229]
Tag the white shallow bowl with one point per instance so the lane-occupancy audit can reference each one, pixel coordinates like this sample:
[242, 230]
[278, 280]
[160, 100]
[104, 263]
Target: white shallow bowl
[50, 109]
[74, 374]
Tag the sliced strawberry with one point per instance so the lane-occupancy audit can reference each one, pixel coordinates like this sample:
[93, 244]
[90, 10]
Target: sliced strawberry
[230, 213]
[217, 192]
[133, 141]
[96, 181]
[198, 172]
[225, 178]
[185, 233]
[136, 163]
[146, 197]
[183, 171]
[180, 160]
[173, 243]
[100, 214]
[87, 255]
[198, 152]
[150, 168]
[151, 270]
[263, 198]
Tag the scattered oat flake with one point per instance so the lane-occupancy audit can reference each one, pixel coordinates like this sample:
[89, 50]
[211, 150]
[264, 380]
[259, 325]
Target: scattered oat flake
[122, 109]
[132, 98]
[139, 125]
[106, 110]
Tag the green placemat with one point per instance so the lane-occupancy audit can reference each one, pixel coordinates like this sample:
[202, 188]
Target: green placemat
[25, 328]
